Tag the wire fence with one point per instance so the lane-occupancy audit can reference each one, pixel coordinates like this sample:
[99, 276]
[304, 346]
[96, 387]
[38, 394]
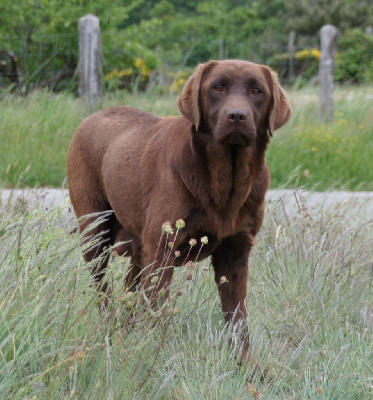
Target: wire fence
[44, 61]
[51, 61]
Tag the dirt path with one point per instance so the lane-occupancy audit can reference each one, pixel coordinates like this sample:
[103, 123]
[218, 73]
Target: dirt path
[358, 205]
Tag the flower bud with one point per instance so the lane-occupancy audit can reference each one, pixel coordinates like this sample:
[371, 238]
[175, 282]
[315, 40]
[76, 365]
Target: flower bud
[166, 228]
[192, 242]
[204, 240]
[180, 224]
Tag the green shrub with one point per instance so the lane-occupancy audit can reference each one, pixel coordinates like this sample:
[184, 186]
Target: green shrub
[128, 64]
[306, 63]
[355, 57]
[354, 61]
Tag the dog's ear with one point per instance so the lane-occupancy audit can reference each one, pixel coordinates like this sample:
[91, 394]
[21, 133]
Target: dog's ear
[280, 108]
[190, 98]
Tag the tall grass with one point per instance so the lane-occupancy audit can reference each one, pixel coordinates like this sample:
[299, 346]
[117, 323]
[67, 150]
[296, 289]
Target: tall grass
[310, 307]
[35, 133]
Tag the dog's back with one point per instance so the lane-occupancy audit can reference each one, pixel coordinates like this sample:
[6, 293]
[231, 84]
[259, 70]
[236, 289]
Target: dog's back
[100, 130]
[91, 141]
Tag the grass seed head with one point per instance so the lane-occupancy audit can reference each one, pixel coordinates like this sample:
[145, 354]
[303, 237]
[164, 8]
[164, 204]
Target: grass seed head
[166, 228]
[192, 242]
[204, 240]
[180, 224]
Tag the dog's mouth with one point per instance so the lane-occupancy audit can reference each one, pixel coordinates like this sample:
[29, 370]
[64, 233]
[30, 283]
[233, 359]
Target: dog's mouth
[237, 138]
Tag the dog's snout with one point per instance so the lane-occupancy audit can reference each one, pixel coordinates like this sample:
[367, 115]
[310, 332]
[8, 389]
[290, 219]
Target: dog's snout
[237, 115]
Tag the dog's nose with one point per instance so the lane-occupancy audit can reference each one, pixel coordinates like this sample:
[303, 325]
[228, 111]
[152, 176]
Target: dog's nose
[237, 115]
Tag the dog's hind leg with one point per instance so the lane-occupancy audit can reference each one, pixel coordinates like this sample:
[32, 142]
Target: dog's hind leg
[95, 239]
[90, 206]
[128, 244]
[133, 275]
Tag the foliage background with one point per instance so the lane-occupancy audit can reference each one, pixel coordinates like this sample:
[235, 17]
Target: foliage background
[154, 45]
[146, 42]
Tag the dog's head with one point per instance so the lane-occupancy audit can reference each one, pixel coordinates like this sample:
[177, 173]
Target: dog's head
[233, 100]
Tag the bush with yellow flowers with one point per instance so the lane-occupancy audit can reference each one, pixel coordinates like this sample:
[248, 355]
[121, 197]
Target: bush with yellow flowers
[129, 68]
[306, 63]
[178, 80]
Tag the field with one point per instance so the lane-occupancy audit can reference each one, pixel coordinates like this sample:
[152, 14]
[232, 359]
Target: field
[35, 133]
[310, 282]
[310, 307]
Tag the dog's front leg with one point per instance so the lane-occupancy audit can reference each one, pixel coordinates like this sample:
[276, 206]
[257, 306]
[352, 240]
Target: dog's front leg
[230, 262]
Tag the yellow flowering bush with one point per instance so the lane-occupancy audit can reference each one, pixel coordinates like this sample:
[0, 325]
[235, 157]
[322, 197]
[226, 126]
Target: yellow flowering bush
[129, 68]
[142, 69]
[178, 80]
[308, 53]
[122, 78]
[306, 63]
[118, 74]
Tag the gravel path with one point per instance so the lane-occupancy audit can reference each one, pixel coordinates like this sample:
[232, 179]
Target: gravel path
[358, 205]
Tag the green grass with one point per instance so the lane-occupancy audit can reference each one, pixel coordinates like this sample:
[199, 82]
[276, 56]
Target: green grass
[325, 156]
[35, 133]
[310, 307]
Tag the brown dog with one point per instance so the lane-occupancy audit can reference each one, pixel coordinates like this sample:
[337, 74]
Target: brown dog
[206, 167]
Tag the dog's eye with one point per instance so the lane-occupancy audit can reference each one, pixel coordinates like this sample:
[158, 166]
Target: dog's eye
[219, 88]
[256, 91]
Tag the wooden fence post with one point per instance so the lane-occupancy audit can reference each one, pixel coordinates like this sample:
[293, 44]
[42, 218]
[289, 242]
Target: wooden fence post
[90, 61]
[291, 48]
[221, 49]
[329, 38]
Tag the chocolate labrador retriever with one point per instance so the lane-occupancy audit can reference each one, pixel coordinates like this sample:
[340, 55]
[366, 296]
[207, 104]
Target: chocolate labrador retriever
[206, 167]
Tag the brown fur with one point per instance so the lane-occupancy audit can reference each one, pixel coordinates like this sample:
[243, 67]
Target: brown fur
[206, 167]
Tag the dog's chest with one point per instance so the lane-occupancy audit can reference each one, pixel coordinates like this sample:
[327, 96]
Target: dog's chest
[204, 231]
[216, 222]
